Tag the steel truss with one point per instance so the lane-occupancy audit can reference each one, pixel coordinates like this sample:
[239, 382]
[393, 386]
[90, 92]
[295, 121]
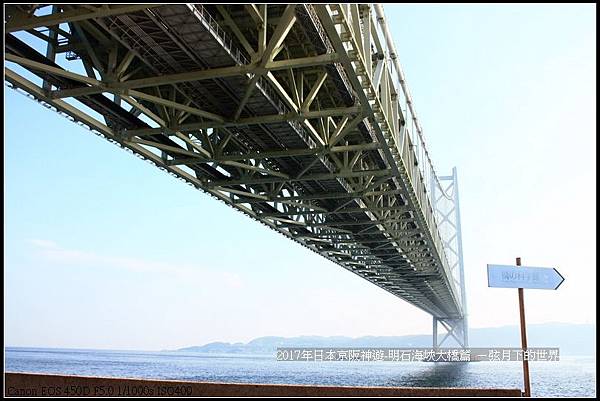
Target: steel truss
[296, 115]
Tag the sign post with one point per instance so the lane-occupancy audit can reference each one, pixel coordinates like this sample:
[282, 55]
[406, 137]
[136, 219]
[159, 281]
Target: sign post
[542, 278]
[524, 340]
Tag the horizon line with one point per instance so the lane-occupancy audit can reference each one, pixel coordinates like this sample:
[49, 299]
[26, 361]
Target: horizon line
[284, 337]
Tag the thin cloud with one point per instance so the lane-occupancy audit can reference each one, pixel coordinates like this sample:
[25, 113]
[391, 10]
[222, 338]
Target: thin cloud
[42, 243]
[50, 251]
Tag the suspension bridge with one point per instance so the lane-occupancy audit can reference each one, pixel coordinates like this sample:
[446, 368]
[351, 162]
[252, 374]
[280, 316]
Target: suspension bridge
[297, 115]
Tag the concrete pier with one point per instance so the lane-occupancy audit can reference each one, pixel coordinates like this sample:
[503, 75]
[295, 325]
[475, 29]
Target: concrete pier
[46, 385]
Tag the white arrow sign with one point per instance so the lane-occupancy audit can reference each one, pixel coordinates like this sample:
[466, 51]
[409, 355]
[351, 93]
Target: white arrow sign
[506, 276]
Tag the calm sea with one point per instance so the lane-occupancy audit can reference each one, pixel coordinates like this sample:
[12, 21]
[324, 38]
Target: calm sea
[571, 376]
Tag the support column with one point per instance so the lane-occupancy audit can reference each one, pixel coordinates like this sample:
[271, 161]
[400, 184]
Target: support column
[447, 212]
[435, 333]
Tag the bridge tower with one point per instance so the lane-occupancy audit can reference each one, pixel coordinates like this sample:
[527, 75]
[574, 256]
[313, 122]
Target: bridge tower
[447, 213]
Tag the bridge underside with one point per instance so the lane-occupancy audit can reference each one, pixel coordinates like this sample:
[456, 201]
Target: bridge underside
[287, 113]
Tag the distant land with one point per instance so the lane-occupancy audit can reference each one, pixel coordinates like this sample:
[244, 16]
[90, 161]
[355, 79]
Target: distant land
[572, 339]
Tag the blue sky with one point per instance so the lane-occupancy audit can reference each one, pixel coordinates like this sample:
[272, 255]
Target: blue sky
[103, 251]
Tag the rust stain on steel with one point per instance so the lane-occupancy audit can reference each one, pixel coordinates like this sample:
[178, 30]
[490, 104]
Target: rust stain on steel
[33, 384]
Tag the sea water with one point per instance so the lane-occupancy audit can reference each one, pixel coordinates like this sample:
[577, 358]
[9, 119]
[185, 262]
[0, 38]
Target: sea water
[569, 377]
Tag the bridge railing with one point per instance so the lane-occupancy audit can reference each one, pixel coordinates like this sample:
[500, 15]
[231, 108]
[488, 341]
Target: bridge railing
[367, 50]
[410, 140]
